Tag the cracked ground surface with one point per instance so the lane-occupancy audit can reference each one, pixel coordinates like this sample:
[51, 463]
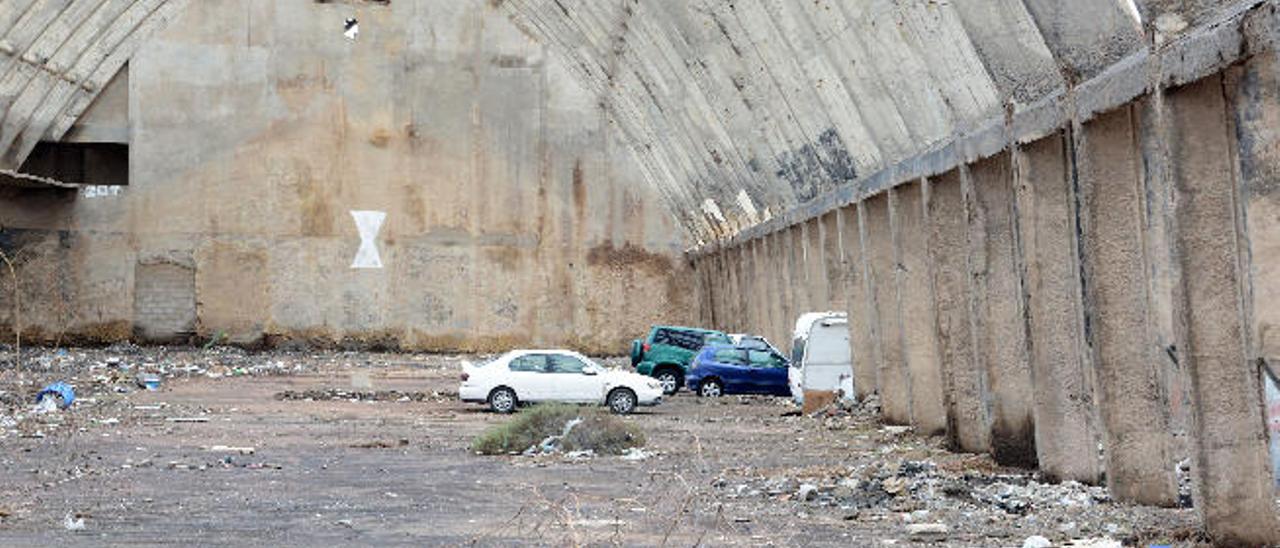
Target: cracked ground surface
[374, 449]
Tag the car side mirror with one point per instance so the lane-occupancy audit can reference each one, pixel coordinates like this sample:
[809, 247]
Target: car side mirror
[590, 371]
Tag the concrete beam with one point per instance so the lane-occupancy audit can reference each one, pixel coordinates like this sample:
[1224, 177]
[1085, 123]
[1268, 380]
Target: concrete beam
[963, 378]
[1234, 484]
[834, 261]
[816, 263]
[894, 380]
[915, 293]
[862, 313]
[1067, 434]
[1000, 317]
[1132, 404]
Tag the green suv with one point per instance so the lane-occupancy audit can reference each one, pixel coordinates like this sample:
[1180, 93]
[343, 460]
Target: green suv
[665, 354]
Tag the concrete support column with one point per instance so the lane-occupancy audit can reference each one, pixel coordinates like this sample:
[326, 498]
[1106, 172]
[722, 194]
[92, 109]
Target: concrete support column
[706, 305]
[1000, 318]
[1256, 105]
[915, 291]
[1130, 395]
[816, 260]
[963, 378]
[715, 279]
[799, 279]
[1234, 485]
[759, 301]
[736, 317]
[781, 293]
[1067, 433]
[833, 261]
[862, 316]
[894, 382]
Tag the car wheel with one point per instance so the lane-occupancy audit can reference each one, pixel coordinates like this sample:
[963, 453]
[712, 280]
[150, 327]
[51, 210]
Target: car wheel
[670, 381]
[502, 400]
[710, 388]
[622, 401]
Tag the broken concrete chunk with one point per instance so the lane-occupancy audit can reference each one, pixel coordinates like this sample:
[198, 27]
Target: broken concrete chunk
[807, 492]
[927, 529]
[1036, 541]
[230, 449]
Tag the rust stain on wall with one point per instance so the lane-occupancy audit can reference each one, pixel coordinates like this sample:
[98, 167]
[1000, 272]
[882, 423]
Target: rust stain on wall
[629, 256]
[317, 216]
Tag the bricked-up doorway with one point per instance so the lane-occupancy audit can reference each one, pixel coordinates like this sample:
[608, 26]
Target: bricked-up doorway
[164, 301]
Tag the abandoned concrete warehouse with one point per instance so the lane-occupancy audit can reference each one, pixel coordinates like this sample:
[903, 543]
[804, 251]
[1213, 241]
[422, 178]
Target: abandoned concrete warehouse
[1053, 225]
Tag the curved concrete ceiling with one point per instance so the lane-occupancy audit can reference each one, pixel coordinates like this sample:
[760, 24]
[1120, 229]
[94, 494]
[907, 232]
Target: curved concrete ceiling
[741, 110]
[55, 58]
[738, 110]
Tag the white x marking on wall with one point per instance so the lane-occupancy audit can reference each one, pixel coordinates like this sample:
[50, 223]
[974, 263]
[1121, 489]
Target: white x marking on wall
[368, 223]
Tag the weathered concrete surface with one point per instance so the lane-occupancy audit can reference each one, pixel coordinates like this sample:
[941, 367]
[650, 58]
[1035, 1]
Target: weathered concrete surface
[892, 376]
[1131, 398]
[57, 57]
[964, 379]
[1000, 318]
[915, 290]
[1234, 489]
[512, 216]
[1067, 433]
[835, 267]
[865, 348]
[1257, 113]
[1097, 253]
[815, 251]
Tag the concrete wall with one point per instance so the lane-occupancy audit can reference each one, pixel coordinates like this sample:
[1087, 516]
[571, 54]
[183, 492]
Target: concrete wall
[512, 215]
[1096, 298]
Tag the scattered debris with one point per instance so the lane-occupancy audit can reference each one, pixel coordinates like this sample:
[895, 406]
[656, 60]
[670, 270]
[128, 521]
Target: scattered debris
[73, 522]
[351, 28]
[59, 394]
[927, 529]
[229, 449]
[187, 419]
[381, 444]
[636, 454]
[354, 396]
[1036, 541]
[1102, 542]
[149, 382]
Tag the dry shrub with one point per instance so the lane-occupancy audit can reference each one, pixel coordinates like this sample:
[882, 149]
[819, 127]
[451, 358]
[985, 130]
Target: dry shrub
[599, 431]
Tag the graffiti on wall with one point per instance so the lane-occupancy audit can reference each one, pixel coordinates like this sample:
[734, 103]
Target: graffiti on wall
[97, 191]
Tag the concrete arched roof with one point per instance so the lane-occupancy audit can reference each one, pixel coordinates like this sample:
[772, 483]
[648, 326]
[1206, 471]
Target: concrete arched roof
[742, 110]
[55, 58]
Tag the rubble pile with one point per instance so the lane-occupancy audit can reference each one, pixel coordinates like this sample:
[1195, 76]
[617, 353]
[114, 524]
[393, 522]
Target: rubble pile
[366, 396]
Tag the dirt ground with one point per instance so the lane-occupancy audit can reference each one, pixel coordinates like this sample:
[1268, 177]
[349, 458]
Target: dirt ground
[145, 467]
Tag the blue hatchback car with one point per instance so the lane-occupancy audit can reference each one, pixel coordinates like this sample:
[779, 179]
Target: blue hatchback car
[721, 369]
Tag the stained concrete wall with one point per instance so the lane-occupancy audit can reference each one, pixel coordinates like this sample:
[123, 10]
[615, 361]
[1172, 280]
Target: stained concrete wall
[513, 217]
[1096, 291]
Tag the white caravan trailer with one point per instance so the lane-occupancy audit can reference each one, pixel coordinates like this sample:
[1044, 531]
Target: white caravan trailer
[820, 359]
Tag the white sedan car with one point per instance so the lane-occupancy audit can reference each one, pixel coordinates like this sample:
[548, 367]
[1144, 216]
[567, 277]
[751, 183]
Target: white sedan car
[528, 376]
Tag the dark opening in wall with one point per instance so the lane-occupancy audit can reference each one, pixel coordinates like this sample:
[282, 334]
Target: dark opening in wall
[80, 163]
